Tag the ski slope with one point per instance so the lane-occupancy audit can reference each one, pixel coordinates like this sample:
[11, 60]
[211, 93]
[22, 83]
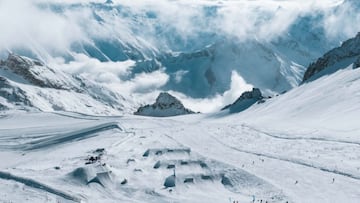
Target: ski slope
[302, 146]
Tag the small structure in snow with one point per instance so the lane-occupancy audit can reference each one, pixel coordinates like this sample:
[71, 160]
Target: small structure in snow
[170, 181]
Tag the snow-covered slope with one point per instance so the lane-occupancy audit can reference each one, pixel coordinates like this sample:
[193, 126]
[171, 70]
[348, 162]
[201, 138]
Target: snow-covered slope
[302, 146]
[329, 104]
[29, 84]
[164, 106]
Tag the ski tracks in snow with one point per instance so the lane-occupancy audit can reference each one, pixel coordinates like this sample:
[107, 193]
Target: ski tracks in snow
[301, 138]
[52, 139]
[293, 161]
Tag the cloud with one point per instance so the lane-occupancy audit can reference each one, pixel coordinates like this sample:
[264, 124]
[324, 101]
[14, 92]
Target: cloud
[115, 75]
[147, 82]
[94, 69]
[25, 25]
[344, 21]
[157, 25]
[34, 24]
[178, 75]
[237, 87]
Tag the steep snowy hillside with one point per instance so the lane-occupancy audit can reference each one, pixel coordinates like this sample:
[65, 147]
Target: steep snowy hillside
[328, 105]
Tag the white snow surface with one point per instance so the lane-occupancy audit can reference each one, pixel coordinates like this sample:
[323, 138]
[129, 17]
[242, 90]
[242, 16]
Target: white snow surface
[302, 146]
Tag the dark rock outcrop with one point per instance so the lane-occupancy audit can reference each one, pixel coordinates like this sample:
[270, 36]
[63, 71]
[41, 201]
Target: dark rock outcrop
[12, 95]
[246, 100]
[165, 105]
[357, 63]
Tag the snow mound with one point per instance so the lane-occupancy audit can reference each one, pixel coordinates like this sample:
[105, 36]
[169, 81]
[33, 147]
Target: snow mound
[87, 175]
[164, 106]
[246, 100]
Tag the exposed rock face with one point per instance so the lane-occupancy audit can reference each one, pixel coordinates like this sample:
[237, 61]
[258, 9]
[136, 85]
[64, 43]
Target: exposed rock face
[246, 100]
[357, 63]
[346, 54]
[12, 95]
[165, 105]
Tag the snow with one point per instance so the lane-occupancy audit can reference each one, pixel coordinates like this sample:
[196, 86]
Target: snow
[302, 146]
[68, 133]
[39, 87]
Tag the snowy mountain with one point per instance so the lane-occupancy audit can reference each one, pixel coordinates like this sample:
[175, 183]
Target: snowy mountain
[338, 58]
[29, 84]
[197, 61]
[164, 106]
[256, 154]
[77, 71]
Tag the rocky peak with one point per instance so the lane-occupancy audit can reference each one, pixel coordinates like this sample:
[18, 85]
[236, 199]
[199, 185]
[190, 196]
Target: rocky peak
[246, 99]
[166, 99]
[165, 105]
[357, 63]
[19, 62]
[255, 93]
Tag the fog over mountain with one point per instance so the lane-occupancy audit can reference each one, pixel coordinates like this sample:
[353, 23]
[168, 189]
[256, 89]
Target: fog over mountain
[198, 50]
